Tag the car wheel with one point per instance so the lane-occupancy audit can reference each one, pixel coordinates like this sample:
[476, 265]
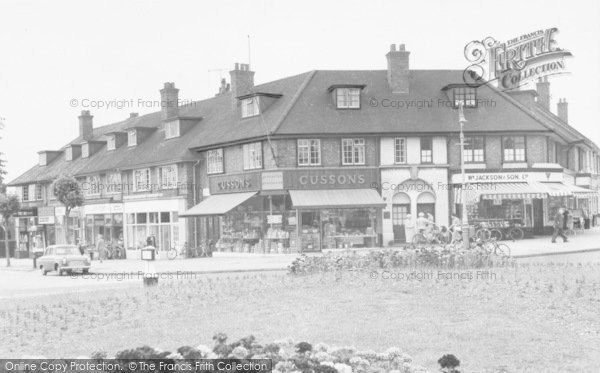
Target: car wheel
[44, 272]
[60, 272]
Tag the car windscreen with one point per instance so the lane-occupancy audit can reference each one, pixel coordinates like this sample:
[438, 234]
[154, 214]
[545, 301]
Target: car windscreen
[66, 251]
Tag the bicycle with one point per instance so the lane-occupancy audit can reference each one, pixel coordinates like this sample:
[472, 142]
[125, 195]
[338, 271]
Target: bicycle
[439, 235]
[172, 253]
[500, 249]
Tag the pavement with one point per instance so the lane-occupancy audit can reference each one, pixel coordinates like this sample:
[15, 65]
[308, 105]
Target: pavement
[589, 241]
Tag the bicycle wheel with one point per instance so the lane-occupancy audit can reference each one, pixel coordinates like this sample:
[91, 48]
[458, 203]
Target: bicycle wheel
[503, 250]
[483, 234]
[496, 234]
[443, 238]
[516, 233]
[172, 254]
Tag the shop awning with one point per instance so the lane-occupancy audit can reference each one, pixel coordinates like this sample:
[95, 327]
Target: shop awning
[501, 191]
[336, 198]
[218, 204]
[561, 190]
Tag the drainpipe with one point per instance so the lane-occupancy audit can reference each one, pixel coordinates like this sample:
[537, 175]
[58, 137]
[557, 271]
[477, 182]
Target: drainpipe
[195, 202]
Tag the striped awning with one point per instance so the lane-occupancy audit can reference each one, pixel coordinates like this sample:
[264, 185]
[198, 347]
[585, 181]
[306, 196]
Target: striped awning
[564, 190]
[500, 191]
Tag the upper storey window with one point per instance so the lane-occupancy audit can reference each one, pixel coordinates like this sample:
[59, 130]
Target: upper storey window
[250, 107]
[347, 98]
[465, 95]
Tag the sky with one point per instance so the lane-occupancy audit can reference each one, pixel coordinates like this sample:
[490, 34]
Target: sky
[58, 58]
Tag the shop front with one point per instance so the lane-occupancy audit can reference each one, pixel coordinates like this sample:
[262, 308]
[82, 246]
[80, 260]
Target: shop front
[528, 200]
[144, 218]
[293, 210]
[409, 191]
[27, 235]
[103, 221]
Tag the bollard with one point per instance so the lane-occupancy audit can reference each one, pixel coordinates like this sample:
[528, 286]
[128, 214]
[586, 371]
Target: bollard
[150, 276]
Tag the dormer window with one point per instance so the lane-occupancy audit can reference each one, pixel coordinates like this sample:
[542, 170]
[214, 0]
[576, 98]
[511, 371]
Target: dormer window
[172, 129]
[85, 150]
[132, 137]
[112, 142]
[347, 98]
[250, 107]
[465, 95]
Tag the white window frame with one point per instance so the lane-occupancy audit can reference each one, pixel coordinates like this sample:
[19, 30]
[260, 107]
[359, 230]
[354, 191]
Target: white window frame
[400, 150]
[114, 183]
[309, 152]
[172, 129]
[214, 161]
[111, 143]
[472, 155]
[85, 150]
[514, 154]
[168, 176]
[132, 137]
[252, 156]
[426, 154]
[39, 192]
[142, 185]
[347, 98]
[355, 149]
[92, 185]
[25, 193]
[250, 107]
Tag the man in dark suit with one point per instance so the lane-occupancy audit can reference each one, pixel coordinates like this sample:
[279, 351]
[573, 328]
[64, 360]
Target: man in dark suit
[559, 222]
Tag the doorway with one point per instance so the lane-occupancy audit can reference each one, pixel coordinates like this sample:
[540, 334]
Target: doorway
[538, 216]
[400, 210]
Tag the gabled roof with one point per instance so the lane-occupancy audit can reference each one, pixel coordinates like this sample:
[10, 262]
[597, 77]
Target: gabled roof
[305, 107]
[427, 109]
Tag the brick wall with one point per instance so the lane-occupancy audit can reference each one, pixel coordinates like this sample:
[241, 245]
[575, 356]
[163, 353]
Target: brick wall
[537, 151]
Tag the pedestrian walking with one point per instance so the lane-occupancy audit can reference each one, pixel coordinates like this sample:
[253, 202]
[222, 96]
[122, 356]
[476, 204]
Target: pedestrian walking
[559, 224]
[409, 227]
[101, 248]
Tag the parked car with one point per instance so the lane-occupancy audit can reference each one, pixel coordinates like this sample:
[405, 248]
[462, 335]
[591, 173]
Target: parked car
[63, 259]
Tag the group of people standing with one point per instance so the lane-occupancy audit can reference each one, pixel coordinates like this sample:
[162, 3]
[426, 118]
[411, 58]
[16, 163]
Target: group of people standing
[423, 223]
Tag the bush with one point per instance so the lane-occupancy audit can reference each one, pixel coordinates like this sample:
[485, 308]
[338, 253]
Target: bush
[396, 258]
[288, 357]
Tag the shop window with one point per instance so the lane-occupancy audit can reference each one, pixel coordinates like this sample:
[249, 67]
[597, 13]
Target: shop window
[465, 95]
[474, 149]
[348, 98]
[250, 107]
[513, 148]
[214, 161]
[252, 156]
[426, 150]
[309, 152]
[168, 177]
[141, 218]
[353, 151]
[165, 217]
[400, 150]
[141, 180]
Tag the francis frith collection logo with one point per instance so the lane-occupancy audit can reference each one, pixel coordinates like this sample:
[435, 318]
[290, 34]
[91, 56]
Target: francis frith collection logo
[516, 62]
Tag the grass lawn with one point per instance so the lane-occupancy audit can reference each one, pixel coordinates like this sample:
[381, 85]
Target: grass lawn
[535, 318]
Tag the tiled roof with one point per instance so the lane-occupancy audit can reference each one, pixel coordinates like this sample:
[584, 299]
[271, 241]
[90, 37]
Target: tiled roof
[306, 107]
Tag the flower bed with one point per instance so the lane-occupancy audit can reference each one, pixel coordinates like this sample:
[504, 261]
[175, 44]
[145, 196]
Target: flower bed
[286, 356]
[397, 258]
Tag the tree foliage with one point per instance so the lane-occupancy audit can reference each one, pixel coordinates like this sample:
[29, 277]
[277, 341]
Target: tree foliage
[9, 205]
[68, 192]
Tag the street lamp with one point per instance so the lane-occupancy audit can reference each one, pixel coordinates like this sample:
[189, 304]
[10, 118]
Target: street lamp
[463, 189]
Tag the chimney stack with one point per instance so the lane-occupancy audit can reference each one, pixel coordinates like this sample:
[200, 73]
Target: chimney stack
[224, 88]
[169, 101]
[242, 80]
[543, 90]
[562, 110]
[86, 127]
[397, 69]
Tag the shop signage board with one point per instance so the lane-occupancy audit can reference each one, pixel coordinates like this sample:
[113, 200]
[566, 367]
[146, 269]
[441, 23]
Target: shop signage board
[507, 177]
[26, 212]
[274, 219]
[272, 180]
[244, 182]
[46, 220]
[104, 208]
[338, 178]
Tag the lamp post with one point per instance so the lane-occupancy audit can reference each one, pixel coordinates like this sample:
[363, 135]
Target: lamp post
[463, 191]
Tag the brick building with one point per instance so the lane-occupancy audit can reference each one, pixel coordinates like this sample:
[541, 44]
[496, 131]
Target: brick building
[323, 159]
